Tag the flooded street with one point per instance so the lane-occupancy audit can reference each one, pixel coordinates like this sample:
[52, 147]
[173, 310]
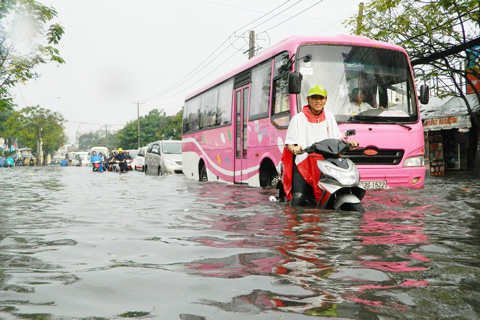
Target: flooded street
[81, 245]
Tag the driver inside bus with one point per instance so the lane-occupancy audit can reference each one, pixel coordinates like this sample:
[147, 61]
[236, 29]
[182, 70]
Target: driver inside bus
[313, 124]
[358, 104]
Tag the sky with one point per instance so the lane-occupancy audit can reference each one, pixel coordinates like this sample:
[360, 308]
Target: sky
[124, 57]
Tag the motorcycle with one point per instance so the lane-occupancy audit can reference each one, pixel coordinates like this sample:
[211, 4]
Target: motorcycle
[116, 166]
[339, 181]
[97, 165]
[129, 163]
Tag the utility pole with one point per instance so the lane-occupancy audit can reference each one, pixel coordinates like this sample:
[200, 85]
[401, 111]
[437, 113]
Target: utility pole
[251, 44]
[359, 18]
[106, 136]
[138, 122]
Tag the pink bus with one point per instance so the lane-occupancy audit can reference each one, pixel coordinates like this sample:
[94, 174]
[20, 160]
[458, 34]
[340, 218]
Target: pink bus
[234, 128]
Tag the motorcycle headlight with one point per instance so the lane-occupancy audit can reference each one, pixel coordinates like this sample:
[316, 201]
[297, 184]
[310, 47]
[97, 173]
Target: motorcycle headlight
[414, 162]
[345, 177]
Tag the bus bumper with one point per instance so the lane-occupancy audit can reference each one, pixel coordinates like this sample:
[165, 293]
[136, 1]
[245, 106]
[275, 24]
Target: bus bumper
[413, 178]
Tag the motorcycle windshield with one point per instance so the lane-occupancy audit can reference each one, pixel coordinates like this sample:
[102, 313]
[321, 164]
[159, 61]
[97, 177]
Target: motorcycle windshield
[330, 148]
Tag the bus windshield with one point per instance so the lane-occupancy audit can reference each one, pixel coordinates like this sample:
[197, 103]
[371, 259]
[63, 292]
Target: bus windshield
[364, 84]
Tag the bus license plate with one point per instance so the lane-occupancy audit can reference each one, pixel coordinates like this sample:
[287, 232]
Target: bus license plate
[373, 184]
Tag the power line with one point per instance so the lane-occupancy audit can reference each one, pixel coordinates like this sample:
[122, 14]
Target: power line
[219, 65]
[229, 6]
[266, 14]
[195, 72]
[316, 3]
[94, 124]
[336, 21]
[278, 14]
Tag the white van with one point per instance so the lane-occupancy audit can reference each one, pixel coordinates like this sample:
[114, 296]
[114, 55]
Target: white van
[81, 159]
[103, 150]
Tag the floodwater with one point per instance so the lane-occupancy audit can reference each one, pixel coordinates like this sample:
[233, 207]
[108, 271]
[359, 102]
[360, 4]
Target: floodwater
[81, 245]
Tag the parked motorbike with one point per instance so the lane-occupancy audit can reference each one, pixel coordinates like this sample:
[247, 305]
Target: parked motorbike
[339, 181]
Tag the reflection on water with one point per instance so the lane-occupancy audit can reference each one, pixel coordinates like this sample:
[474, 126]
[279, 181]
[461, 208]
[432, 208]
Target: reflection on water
[77, 244]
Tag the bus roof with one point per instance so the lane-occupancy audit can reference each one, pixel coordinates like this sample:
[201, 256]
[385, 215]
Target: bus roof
[289, 44]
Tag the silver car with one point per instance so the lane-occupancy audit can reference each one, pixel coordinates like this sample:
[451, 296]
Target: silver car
[164, 157]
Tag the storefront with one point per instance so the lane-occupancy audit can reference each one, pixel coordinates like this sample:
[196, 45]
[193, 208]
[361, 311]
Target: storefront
[450, 140]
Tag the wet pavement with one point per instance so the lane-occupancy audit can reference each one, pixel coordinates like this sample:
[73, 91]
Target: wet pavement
[81, 245]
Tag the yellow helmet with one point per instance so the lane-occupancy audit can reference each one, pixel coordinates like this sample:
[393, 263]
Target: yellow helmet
[120, 150]
[317, 90]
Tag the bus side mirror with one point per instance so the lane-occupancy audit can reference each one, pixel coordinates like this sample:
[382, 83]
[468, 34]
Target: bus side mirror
[424, 94]
[294, 82]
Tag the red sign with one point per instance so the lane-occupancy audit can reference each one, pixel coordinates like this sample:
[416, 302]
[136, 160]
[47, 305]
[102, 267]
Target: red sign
[476, 84]
[370, 152]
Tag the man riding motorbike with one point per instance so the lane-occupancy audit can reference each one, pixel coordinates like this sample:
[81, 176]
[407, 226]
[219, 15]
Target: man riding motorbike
[96, 160]
[313, 124]
[120, 157]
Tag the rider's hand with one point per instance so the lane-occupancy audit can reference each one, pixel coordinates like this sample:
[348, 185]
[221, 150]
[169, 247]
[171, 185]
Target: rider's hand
[296, 149]
[353, 144]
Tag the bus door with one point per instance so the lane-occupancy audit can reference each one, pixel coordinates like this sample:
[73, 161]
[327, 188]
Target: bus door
[242, 100]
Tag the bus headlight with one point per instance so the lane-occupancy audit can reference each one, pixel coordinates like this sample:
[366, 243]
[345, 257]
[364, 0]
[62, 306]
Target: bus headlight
[414, 162]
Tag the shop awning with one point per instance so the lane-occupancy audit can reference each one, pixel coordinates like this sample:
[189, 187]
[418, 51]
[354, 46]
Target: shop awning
[448, 113]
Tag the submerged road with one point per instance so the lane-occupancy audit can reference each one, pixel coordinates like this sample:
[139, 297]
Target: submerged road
[81, 245]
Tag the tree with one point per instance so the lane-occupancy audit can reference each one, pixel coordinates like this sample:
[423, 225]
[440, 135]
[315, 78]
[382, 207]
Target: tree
[37, 128]
[4, 115]
[425, 29]
[27, 39]
[171, 127]
[89, 140]
[156, 125]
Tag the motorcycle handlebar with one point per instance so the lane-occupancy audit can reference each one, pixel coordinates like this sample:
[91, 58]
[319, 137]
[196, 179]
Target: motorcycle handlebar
[328, 150]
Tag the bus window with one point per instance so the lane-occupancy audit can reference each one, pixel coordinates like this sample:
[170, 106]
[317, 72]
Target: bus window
[260, 92]
[224, 105]
[208, 108]
[281, 103]
[191, 115]
[280, 115]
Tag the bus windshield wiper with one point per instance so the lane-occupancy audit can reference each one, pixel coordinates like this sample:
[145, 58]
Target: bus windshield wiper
[375, 119]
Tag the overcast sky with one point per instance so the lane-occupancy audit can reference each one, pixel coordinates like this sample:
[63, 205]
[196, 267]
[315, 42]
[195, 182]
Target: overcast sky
[120, 52]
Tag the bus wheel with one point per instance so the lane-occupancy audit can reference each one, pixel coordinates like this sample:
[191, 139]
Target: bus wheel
[203, 174]
[268, 175]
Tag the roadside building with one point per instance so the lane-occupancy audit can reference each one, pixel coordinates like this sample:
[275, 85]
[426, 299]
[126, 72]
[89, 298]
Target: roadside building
[450, 138]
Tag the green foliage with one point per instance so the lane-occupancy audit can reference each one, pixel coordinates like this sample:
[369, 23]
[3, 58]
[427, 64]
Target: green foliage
[96, 139]
[156, 125]
[31, 123]
[27, 39]
[423, 28]
[4, 115]
[171, 127]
